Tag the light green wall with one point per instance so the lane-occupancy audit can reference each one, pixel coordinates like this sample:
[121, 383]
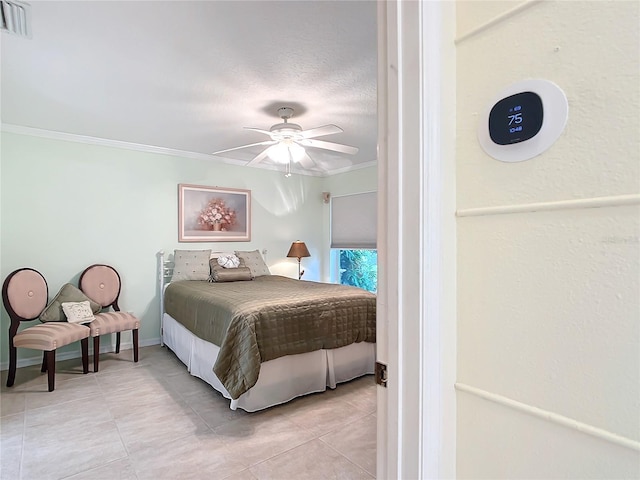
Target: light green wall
[66, 205]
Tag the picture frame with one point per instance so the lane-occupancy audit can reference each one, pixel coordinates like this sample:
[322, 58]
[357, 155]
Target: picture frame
[213, 214]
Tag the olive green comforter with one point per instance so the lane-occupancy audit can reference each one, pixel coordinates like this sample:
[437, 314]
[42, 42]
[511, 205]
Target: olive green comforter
[269, 317]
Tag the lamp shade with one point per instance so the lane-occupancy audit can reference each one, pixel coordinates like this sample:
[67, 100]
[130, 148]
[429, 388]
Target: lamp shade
[298, 250]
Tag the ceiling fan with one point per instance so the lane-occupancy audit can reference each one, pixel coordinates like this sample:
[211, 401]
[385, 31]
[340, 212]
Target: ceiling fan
[288, 140]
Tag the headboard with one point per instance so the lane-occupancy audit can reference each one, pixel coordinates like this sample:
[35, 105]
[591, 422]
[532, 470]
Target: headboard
[165, 272]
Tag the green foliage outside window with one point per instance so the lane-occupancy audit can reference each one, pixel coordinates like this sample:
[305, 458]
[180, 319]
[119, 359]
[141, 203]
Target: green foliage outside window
[359, 268]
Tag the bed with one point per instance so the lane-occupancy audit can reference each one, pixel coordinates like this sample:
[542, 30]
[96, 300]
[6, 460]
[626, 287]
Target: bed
[264, 340]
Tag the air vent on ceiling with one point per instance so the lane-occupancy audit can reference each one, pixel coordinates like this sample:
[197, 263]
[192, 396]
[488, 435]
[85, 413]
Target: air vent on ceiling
[15, 18]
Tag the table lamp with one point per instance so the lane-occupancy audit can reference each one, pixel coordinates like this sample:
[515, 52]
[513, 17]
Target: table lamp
[298, 250]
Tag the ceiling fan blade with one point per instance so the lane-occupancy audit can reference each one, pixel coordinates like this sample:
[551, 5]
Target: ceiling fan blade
[267, 132]
[266, 142]
[319, 131]
[261, 156]
[336, 147]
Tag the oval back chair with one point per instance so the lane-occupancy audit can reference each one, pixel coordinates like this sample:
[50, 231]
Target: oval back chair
[24, 295]
[101, 283]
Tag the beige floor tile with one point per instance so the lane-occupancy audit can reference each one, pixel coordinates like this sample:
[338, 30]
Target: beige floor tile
[158, 425]
[12, 402]
[311, 461]
[213, 408]
[82, 387]
[198, 456]
[11, 438]
[56, 453]
[26, 377]
[243, 475]
[74, 414]
[321, 414]
[111, 361]
[32, 379]
[118, 470]
[357, 442]
[187, 384]
[124, 379]
[152, 419]
[262, 435]
[360, 392]
[162, 360]
[135, 392]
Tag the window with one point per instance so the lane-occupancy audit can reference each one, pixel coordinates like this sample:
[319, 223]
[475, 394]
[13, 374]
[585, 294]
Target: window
[359, 268]
[353, 236]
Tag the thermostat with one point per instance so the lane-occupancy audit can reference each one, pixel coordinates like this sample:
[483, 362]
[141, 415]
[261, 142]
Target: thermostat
[523, 121]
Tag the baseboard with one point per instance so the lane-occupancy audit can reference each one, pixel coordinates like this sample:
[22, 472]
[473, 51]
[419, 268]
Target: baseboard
[37, 360]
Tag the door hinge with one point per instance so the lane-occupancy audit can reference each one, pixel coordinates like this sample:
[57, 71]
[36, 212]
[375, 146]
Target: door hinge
[381, 374]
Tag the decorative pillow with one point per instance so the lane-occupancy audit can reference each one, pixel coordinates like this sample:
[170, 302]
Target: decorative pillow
[191, 265]
[78, 312]
[255, 262]
[228, 261]
[68, 293]
[221, 274]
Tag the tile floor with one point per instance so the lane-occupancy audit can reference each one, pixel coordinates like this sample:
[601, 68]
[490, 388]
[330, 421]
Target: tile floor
[152, 420]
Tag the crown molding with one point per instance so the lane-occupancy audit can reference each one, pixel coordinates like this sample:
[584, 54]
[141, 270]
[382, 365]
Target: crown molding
[105, 142]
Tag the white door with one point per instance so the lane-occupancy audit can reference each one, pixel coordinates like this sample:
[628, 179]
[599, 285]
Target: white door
[416, 239]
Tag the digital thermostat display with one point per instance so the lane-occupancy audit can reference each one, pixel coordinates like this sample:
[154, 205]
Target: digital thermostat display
[516, 118]
[523, 120]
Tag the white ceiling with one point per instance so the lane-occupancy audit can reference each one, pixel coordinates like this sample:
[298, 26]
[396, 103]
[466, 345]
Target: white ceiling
[189, 75]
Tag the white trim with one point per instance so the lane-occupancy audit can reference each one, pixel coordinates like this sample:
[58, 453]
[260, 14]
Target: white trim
[138, 147]
[416, 219]
[438, 262]
[352, 168]
[551, 417]
[597, 202]
[494, 21]
[387, 301]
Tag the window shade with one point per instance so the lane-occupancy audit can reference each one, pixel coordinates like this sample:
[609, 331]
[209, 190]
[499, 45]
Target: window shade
[354, 221]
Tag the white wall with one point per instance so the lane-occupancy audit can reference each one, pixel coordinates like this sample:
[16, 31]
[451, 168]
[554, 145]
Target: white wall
[548, 304]
[66, 205]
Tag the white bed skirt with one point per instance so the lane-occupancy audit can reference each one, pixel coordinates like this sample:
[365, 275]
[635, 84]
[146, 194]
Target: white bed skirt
[280, 380]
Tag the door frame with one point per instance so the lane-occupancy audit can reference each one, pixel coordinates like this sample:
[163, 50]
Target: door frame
[416, 239]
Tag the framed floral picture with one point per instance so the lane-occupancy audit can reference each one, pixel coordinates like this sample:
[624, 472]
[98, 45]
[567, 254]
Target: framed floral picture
[213, 214]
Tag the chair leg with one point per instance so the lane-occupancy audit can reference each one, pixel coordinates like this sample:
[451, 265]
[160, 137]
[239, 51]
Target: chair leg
[84, 343]
[135, 345]
[118, 342]
[44, 362]
[96, 352]
[11, 377]
[51, 368]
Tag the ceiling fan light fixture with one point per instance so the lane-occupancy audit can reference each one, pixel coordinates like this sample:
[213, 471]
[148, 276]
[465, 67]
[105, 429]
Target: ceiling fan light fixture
[286, 151]
[288, 141]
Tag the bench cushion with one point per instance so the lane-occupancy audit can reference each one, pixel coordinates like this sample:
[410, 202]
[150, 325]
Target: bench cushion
[50, 336]
[112, 322]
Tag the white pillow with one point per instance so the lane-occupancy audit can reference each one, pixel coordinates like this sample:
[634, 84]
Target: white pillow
[228, 261]
[78, 312]
[191, 265]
